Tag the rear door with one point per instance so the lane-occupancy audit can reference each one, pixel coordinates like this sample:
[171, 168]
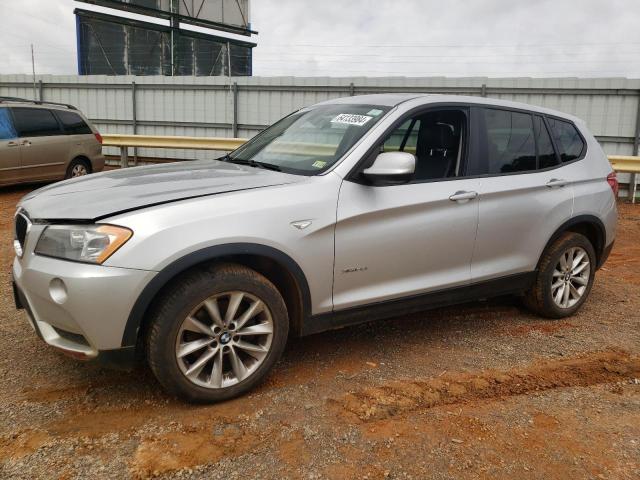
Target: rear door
[45, 149]
[9, 149]
[524, 195]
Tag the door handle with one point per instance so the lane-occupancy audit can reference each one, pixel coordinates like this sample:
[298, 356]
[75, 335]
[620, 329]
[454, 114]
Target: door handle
[463, 196]
[25, 143]
[12, 144]
[556, 183]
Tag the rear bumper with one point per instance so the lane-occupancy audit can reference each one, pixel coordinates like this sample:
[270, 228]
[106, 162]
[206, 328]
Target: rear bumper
[97, 163]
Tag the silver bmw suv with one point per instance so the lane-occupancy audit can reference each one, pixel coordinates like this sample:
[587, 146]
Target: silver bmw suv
[343, 212]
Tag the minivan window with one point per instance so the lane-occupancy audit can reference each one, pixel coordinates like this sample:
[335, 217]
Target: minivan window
[35, 122]
[6, 125]
[73, 123]
[510, 141]
[311, 140]
[568, 141]
[546, 155]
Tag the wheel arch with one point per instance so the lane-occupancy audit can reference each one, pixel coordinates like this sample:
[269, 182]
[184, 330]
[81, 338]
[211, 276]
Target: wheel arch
[275, 265]
[588, 225]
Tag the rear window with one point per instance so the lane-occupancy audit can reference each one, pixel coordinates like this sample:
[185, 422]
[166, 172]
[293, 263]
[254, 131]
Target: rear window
[6, 125]
[510, 141]
[73, 123]
[35, 122]
[568, 141]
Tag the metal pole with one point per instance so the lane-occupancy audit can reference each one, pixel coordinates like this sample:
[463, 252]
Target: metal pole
[234, 125]
[352, 89]
[124, 160]
[174, 24]
[134, 120]
[636, 149]
[41, 90]
[483, 90]
[33, 72]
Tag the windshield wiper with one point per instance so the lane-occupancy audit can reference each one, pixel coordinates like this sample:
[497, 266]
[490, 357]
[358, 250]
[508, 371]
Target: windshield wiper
[225, 158]
[251, 163]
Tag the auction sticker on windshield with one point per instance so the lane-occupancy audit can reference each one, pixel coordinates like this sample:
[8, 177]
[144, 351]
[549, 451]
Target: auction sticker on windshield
[351, 119]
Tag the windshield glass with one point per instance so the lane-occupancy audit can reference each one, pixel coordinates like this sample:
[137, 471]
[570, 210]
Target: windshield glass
[311, 140]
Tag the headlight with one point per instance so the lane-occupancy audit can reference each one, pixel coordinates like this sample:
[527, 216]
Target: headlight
[82, 243]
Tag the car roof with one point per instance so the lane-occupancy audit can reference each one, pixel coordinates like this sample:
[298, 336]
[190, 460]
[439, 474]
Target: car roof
[417, 99]
[380, 99]
[23, 102]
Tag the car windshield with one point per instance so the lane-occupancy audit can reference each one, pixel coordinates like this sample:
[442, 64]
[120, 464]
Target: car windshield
[309, 141]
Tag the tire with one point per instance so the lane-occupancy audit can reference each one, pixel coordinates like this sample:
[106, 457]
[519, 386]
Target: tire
[548, 299]
[77, 168]
[202, 295]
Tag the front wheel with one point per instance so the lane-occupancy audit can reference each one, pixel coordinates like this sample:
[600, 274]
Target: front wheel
[565, 277]
[217, 333]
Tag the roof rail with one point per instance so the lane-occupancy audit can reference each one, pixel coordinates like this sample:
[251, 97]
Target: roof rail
[35, 102]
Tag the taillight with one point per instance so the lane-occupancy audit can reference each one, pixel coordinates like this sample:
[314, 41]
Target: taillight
[98, 137]
[612, 180]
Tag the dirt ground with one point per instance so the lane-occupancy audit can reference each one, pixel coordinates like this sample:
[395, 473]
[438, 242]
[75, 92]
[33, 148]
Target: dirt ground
[485, 390]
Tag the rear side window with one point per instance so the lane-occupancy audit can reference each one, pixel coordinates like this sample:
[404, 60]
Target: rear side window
[73, 123]
[546, 155]
[510, 141]
[568, 141]
[35, 122]
[6, 125]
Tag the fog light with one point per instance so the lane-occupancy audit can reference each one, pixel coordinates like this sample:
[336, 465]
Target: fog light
[17, 248]
[58, 291]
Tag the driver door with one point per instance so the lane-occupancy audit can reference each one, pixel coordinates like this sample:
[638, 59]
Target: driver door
[395, 241]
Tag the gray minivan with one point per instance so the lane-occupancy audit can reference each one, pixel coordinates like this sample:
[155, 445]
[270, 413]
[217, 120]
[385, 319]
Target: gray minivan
[42, 141]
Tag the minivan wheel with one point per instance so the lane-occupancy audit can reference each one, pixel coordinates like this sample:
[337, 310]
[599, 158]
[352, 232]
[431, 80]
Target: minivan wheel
[216, 333]
[77, 168]
[565, 275]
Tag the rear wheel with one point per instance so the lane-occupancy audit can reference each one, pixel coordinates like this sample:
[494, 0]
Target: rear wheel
[565, 277]
[78, 168]
[217, 333]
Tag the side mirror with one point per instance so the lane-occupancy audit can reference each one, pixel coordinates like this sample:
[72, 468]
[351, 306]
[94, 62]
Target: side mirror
[391, 168]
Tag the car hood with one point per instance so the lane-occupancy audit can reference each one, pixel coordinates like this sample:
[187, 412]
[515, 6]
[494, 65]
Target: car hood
[103, 194]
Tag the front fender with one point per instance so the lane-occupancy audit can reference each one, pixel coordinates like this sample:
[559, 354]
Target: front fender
[192, 259]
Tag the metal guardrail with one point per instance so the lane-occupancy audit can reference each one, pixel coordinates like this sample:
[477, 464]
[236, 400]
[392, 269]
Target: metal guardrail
[156, 141]
[627, 164]
[620, 163]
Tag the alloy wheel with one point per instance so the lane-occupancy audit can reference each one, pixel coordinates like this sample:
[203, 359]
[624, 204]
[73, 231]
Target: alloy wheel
[78, 170]
[570, 277]
[224, 339]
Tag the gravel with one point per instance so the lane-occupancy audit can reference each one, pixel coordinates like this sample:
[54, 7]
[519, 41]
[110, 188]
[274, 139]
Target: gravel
[481, 390]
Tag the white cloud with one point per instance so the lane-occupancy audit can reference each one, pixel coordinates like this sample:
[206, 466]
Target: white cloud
[383, 38]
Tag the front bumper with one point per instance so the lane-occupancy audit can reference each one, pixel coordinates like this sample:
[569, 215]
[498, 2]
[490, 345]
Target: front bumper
[79, 308]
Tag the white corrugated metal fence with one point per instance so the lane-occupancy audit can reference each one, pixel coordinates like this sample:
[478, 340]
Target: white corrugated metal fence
[242, 106]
